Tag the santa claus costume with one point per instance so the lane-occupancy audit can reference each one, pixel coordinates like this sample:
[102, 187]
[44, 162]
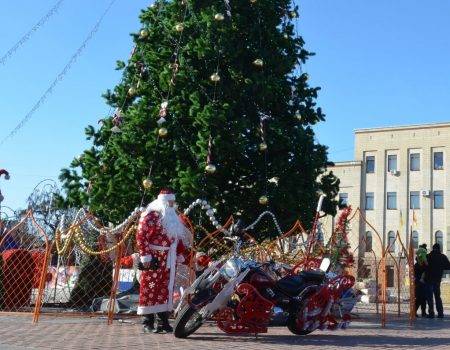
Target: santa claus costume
[160, 235]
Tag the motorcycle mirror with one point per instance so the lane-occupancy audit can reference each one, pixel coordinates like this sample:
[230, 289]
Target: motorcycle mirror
[325, 264]
[237, 228]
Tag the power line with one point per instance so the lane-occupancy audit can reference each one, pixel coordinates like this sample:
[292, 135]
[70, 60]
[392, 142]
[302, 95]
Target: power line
[28, 34]
[59, 77]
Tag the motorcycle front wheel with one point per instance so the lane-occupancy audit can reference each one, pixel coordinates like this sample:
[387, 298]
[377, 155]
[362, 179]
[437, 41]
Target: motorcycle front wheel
[188, 321]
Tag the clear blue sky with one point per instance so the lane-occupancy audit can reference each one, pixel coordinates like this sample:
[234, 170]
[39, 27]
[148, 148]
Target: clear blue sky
[379, 63]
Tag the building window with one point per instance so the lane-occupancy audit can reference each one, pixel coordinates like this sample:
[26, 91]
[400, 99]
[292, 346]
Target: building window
[439, 238]
[438, 199]
[368, 242]
[343, 200]
[369, 201]
[438, 160]
[414, 200]
[370, 164]
[414, 162]
[391, 241]
[415, 239]
[390, 275]
[392, 200]
[392, 162]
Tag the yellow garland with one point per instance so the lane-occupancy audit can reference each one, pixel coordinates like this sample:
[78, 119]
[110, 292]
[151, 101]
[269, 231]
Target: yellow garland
[80, 242]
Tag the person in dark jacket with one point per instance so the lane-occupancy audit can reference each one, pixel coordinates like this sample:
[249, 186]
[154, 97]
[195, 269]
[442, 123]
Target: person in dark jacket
[437, 263]
[419, 272]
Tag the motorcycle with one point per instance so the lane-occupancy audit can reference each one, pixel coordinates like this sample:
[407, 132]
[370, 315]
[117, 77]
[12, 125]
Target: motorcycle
[243, 296]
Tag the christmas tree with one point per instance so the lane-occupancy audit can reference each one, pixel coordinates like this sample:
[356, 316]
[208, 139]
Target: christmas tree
[214, 105]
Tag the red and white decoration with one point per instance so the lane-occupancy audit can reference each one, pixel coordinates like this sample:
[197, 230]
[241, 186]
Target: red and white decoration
[159, 236]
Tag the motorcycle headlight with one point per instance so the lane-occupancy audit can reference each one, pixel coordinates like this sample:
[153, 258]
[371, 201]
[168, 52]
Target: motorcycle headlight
[231, 268]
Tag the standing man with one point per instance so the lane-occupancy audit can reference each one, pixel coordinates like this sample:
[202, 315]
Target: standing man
[437, 263]
[160, 236]
[419, 274]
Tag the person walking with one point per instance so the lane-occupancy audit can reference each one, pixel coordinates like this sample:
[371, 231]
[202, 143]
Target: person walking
[437, 263]
[419, 283]
[160, 235]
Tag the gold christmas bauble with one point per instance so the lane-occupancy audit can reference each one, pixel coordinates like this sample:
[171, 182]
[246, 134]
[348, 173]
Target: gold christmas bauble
[298, 116]
[263, 200]
[286, 36]
[131, 91]
[162, 132]
[262, 146]
[210, 168]
[147, 183]
[215, 77]
[143, 33]
[293, 14]
[219, 17]
[258, 62]
[179, 27]
[252, 1]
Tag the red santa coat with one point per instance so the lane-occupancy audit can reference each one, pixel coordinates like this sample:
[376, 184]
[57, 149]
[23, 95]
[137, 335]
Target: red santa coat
[156, 292]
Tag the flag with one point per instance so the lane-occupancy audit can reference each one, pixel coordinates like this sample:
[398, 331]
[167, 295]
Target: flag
[414, 219]
[401, 220]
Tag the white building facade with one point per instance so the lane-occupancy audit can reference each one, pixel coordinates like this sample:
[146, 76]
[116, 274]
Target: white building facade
[400, 179]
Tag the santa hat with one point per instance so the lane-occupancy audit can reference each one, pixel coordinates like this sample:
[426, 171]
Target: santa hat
[166, 195]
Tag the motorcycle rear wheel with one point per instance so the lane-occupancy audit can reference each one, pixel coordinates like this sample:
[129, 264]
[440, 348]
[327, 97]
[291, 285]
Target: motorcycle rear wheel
[292, 320]
[188, 321]
[292, 326]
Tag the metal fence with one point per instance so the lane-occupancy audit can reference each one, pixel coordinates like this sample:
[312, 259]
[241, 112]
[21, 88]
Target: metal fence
[91, 270]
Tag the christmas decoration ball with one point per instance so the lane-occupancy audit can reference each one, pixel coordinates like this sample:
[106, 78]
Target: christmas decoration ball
[143, 33]
[210, 168]
[298, 116]
[162, 132]
[219, 17]
[258, 62]
[263, 146]
[215, 77]
[179, 27]
[253, 1]
[305, 76]
[131, 91]
[147, 183]
[286, 36]
[293, 14]
[263, 200]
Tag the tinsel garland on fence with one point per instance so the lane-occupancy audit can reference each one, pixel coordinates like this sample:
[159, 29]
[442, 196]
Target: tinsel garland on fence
[338, 246]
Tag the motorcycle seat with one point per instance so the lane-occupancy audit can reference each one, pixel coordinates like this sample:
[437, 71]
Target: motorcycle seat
[313, 275]
[293, 285]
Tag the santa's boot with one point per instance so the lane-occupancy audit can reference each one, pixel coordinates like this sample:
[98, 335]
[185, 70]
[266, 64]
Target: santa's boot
[163, 323]
[148, 322]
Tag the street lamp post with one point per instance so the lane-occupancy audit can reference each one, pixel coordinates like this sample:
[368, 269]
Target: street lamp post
[7, 177]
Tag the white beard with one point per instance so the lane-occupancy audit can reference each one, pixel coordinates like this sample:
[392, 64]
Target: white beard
[172, 225]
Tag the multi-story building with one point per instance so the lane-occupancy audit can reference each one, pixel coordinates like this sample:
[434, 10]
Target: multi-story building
[400, 179]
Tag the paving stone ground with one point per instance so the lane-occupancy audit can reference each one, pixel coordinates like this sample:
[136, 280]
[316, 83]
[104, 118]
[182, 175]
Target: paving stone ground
[18, 333]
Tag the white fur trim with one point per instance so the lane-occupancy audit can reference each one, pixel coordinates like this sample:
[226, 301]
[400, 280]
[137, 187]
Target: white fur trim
[144, 310]
[146, 258]
[166, 197]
